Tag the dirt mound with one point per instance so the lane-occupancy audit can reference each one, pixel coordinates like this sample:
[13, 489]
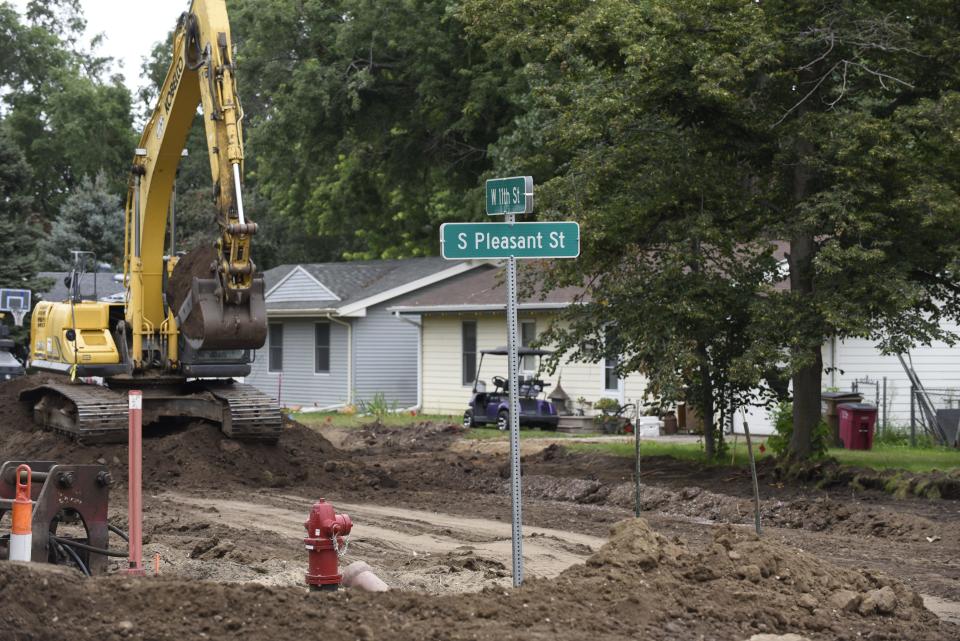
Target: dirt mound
[14, 414]
[639, 585]
[428, 436]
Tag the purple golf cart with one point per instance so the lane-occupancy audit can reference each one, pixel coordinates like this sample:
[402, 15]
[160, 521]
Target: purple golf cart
[493, 407]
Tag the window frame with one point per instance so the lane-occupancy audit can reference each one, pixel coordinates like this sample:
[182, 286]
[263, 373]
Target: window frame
[524, 343]
[317, 347]
[610, 364]
[468, 379]
[271, 347]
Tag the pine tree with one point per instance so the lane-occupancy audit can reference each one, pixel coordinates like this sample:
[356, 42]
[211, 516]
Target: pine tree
[19, 230]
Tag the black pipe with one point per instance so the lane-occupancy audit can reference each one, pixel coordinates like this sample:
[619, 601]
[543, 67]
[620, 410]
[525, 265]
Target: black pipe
[88, 548]
[76, 558]
[113, 528]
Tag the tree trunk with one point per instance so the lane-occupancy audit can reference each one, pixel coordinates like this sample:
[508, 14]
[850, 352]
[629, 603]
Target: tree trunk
[806, 379]
[705, 404]
[806, 404]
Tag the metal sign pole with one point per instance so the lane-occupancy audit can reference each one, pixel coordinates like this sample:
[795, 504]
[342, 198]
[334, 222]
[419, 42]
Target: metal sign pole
[514, 366]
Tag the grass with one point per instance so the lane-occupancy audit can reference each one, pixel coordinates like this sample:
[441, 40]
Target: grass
[914, 459]
[493, 434]
[399, 419]
[882, 457]
[680, 451]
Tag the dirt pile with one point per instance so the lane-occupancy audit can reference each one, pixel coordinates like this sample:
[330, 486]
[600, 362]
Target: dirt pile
[428, 436]
[640, 585]
[195, 455]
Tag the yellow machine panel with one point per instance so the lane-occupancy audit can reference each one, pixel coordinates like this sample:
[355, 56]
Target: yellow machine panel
[68, 334]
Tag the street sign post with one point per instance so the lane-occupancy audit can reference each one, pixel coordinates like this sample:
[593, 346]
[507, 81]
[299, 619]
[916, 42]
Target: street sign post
[503, 240]
[511, 240]
[510, 196]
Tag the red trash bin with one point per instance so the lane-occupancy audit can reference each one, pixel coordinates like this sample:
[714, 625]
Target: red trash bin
[857, 421]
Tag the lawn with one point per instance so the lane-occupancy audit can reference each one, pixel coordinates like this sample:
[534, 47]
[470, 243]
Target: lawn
[914, 459]
[398, 419]
[880, 458]
[492, 433]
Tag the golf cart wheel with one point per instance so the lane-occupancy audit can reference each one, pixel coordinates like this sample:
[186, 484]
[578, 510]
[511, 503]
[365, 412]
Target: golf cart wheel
[503, 420]
[468, 421]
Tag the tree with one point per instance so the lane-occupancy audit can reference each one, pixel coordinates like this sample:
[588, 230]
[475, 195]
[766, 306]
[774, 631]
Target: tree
[67, 119]
[369, 121]
[19, 230]
[809, 122]
[91, 219]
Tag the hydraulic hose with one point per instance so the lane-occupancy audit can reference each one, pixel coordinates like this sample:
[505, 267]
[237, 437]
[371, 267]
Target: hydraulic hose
[88, 548]
[123, 535]
[67, 550]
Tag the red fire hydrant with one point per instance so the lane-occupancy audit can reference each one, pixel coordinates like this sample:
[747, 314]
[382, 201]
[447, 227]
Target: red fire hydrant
[325, 543]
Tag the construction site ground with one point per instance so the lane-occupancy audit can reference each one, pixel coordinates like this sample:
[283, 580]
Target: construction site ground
[432, 517]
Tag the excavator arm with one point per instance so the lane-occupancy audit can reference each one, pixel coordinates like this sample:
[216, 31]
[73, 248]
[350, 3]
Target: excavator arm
[211, 299]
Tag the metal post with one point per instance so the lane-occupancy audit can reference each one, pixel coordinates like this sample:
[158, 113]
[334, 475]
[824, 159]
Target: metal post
[636, 454]
[513, 365]
[883, 416]
[753, 474]
[913, 416]
[134, 483]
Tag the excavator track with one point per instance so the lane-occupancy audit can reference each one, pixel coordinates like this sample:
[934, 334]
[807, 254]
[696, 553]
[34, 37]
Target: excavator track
[253, 416]
[88, 413]
[94, 414]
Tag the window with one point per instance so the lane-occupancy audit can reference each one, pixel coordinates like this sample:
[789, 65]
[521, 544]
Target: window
[321, 345]
[469, 351]
[611, 382]
[528, 334]
[276, 347]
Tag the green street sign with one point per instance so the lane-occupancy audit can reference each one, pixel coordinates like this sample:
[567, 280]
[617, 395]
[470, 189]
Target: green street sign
[510, 195]
[503, 240]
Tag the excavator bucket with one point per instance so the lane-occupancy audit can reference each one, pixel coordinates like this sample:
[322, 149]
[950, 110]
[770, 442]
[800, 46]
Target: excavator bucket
[208, 318]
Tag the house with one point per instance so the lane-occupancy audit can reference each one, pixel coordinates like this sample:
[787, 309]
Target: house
[463, 315]
[856, 362]
[93, 286]
[332, 340]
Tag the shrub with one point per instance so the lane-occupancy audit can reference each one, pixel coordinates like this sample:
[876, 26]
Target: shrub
[779, 442]
[378, 407]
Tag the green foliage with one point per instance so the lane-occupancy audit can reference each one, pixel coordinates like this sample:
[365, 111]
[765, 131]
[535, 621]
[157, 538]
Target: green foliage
[371, 120]
[607, 405]
[377, 407]
[91, 219]
[19, 228]
[779, 442]
[685, 135]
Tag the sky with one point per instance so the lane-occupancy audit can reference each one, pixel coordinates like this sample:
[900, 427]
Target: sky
[130, 29]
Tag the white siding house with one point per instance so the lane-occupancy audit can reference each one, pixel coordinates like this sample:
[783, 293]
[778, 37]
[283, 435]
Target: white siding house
[851, 360]
[467, 314]
[332, 342]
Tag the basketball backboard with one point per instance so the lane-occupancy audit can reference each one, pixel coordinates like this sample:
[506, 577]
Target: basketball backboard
[12, 300]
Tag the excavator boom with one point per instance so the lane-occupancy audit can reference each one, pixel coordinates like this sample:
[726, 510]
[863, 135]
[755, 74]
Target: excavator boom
[188, 325]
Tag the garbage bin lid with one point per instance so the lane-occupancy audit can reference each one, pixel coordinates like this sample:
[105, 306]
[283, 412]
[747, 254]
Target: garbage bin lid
[859, 407]
[833, 396]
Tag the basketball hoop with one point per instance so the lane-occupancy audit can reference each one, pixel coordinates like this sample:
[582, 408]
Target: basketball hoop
[18, 315]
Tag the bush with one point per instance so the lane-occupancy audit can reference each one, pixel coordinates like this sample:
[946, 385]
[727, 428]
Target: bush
[378, 407]
[779, 442]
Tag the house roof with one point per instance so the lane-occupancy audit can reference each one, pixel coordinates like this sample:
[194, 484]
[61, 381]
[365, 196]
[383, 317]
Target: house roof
[106, 285]
[480, 290]
[356, 285]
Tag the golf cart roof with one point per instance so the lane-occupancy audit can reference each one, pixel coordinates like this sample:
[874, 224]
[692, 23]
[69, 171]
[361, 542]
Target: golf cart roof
[522, 351]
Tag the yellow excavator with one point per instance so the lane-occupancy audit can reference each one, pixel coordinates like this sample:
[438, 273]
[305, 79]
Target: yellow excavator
[188, 325]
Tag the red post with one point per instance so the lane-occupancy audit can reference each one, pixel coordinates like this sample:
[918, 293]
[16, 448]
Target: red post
[134, 483]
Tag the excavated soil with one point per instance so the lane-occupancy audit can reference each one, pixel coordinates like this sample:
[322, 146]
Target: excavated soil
[225, 522]
[639, 585]
[200, 263]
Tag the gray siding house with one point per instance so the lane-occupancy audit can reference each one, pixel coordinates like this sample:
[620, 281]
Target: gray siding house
[332, 341]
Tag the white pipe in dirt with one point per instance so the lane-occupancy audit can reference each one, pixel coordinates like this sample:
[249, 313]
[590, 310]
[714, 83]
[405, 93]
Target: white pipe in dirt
[360, 575]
